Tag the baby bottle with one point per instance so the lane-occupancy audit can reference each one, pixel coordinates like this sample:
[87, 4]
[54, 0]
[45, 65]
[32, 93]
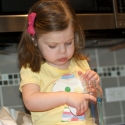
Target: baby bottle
[95, 108]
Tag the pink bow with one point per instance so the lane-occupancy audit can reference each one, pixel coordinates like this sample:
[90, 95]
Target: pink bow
[31, 18]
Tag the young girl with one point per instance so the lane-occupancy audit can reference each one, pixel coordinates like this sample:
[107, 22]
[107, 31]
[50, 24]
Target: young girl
[51, 66]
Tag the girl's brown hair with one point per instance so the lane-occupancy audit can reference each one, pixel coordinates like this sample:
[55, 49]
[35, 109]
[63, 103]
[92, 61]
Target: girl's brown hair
[51, 15]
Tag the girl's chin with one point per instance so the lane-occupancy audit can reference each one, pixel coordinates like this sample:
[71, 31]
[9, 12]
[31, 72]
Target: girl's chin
[60, 64]
[63, 65]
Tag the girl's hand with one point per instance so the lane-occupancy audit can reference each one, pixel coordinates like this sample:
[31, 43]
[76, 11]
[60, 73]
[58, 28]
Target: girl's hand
[90, 75]
[79, 101]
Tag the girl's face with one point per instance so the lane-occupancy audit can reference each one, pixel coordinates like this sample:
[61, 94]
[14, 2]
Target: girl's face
[57, 47]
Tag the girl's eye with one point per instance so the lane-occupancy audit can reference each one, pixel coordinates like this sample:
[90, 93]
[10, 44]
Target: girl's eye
[52, 47]
[69, 43]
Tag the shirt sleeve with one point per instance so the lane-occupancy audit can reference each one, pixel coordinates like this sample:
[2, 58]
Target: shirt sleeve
[27, 76]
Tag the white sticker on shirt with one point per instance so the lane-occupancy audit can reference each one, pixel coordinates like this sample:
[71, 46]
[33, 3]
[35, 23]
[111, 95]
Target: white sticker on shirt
[69, 83]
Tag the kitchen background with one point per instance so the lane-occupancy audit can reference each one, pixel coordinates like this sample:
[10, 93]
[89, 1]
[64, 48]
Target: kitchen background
[110, 65]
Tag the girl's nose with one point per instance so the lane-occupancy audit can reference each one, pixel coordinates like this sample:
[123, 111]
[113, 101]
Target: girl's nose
[62, 49]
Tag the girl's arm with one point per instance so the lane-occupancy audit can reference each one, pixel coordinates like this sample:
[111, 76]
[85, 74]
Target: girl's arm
[35, 100]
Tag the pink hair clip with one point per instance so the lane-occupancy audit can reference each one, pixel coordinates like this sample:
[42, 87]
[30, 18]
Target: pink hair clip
[31, 18]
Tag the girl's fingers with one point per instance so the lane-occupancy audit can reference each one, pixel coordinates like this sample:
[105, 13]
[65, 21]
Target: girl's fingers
[89, 97]
[90, 75]
[82, 108]
[79, 72]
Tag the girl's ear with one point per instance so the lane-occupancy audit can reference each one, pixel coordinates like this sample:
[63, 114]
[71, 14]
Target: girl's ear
[34, 41]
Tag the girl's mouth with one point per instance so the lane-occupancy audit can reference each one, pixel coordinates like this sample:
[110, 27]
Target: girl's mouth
[62, 59]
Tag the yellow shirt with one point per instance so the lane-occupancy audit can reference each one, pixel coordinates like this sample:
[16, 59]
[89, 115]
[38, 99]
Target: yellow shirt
[46, 79]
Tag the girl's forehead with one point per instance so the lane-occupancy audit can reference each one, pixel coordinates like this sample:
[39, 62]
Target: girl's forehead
[55, 36]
